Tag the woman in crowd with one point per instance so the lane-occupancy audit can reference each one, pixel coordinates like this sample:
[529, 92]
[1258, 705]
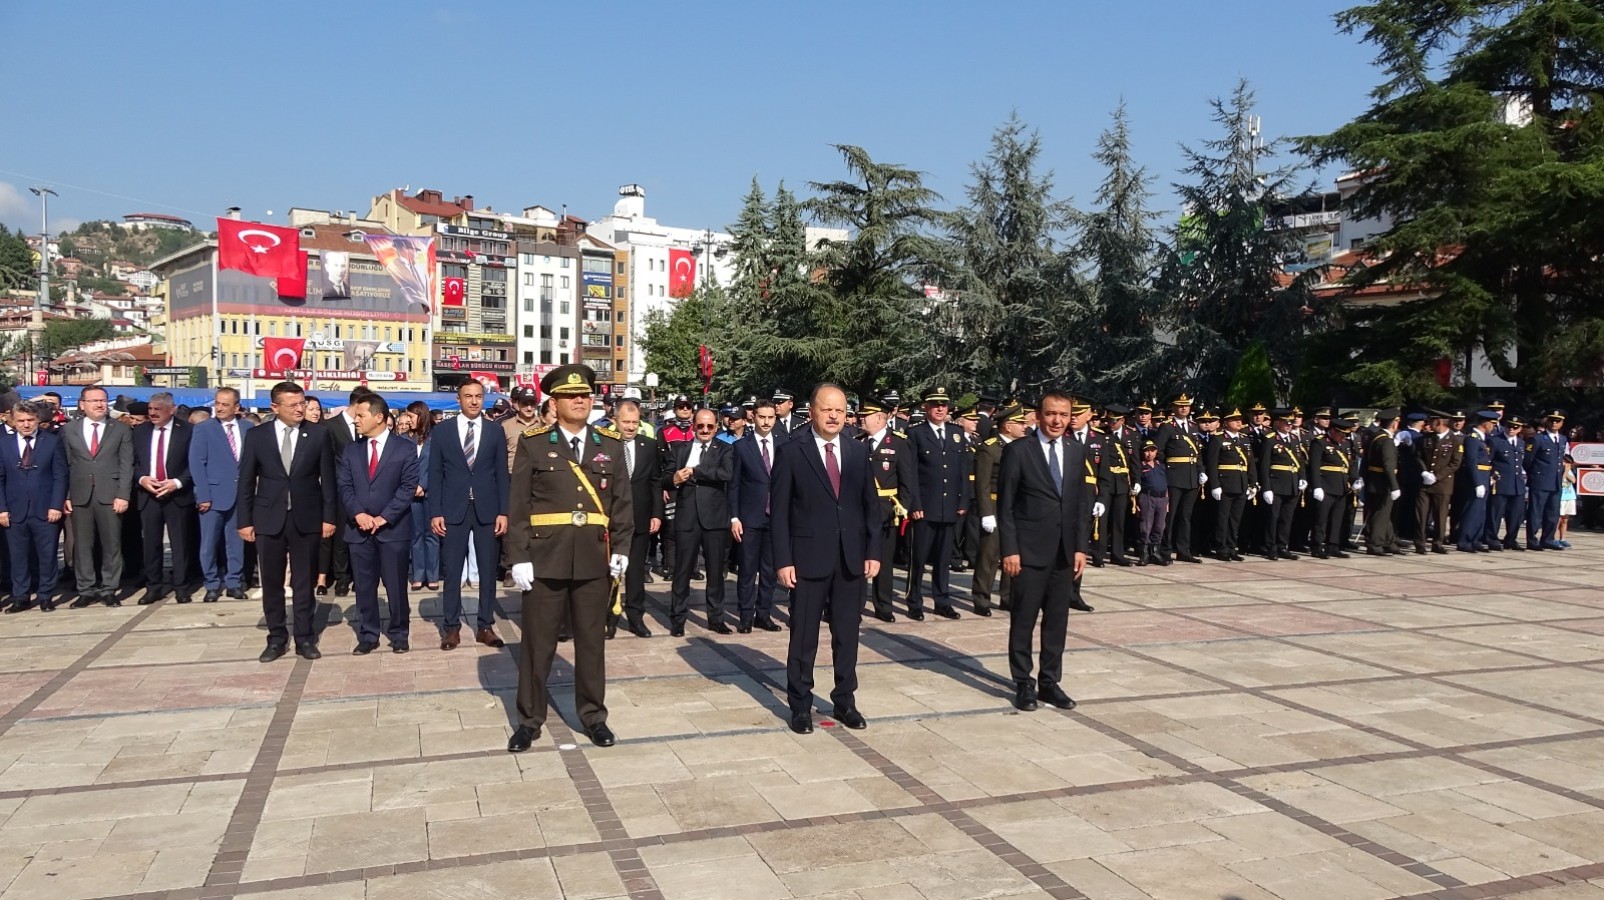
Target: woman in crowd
[414, 423]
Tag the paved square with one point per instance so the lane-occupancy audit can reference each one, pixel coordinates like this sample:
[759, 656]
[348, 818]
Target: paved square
[1362, 728]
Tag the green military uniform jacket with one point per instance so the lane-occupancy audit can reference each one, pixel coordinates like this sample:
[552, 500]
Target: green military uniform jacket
[544, 485]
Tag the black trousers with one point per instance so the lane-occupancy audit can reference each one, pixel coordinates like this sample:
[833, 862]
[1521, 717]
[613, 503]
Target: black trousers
[585, 604]
[1278, 523]
[154, 517]
[1379, 533]
[885, 583]
[1431, 519]
[454, 558]
[1228, 522]
[1507, 512]
[374, 563]
[986, 571]
[635, 578]
[299, 551]
[932, 546]
[1328, 534]
[1040, 592]
[1178, 536]
[754, 590]
[1111, 542]
[835, 597]
[712, 544]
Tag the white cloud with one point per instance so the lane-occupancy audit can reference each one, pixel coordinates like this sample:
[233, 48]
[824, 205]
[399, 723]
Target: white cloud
[17, 208]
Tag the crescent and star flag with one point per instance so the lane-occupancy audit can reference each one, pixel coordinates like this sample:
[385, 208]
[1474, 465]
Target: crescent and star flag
[681, 273]
[293, 286]
[266, 251]
[454, 290]
[281, 354]
[486, 380]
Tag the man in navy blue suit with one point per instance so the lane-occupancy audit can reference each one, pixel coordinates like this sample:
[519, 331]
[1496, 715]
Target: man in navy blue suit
[468, 502]
[826, 521]
[749, 525]
[33, 493]
[214, 451]
[377, 476]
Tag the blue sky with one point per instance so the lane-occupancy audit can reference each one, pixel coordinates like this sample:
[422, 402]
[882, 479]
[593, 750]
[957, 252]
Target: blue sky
[191, 107]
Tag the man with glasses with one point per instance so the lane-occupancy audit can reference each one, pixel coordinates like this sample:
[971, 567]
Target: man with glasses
[33, 493]
[698, 476]
[100, 466]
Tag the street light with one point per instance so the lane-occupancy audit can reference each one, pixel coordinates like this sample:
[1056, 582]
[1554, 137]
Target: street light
[44, 194]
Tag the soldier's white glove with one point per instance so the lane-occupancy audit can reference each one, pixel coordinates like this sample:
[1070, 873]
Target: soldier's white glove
[1481, 491]
[1268, 497]
[1358, 485]
[523, 575]
[618, 564]
[1202, 478]
[988, 524]
[1428, 477]
[1098, 509]
[1303, 485]
[1319, 494]
[1217, 493]
[1136, 489]
[1396, 494]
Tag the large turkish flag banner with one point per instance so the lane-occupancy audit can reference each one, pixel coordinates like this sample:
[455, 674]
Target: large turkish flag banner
[266, 251]
[681, 273]
[281, 354]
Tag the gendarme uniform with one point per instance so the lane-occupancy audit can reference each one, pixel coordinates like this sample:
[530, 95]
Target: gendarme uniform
[569, 511]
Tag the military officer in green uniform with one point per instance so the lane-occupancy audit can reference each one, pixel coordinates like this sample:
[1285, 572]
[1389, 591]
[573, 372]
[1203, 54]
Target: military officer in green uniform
[570, 524]
[988, 462]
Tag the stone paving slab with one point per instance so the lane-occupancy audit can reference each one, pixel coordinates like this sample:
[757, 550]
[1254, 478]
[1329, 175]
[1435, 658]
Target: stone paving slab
[1321, 729]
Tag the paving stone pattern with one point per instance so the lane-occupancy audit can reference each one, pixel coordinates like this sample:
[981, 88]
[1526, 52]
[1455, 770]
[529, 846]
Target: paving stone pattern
[1323, 729]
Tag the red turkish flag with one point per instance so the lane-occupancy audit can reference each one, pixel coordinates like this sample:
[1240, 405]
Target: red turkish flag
[293, 286]
[266, 251]
[681, 273]
[455, 290]
[281, 354]
[489, 381]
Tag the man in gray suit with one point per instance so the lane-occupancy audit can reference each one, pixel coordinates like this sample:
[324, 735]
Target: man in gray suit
[100, 462]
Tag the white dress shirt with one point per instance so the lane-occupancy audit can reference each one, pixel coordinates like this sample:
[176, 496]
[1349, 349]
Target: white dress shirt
[819, 441]
[478, 433]
[279, 428]
[155, 443]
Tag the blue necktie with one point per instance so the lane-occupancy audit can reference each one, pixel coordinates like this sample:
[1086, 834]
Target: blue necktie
[1053, 467]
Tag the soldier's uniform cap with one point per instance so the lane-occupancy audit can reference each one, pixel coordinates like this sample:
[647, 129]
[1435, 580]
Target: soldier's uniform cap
[1295, 412]
[782, 393]
[1416, 417]
[749, 403]
[1257, 408]
[1344, 424]
[524, 394]
[1557, 415]
[1117, 410]
[1235, 413]
[1181, 399]
[1079, 406]
[1208, 416]
[1013, 413]
[1437, 414]
[1144, 407]
[1283, 413]
[1388, 414]
[971, 413]
[988, 397]
[1496, 405]
[1515, 420]
[1149, 445]
[572, 380]
[938, 394]
[870, 407]
[1487, 415]
[1458, 414]
[1323, 412]
[891, 398]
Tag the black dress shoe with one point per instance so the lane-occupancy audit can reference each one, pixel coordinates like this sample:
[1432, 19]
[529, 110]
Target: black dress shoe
[677, 631]
[400, 647]
[851, 718]
[639, 629]
[1237, 557]
[185, 598]
[112, 599]
[321, 590]
[947, 612]
[743, 629]
[522, 737]
[1189, 558]
[83, 600]
[719, 628]
[885, 617]
[1054, 695]
[564, 636]
[1374, 552]
[363, 648]
[1097, 564]
[983, 611]
[341, 588]
[766, 625]
[611, 629]
[47, 605]
[211, 595]
[1340, 555]
[1440, 551]
[1122, 561]
[802, 724]
[1082, 605]
[1025, 698]
[151, 596]
[1420, 551]
[1271, 557]
[601, 735]
[235, 593]
[273, 651]
[918, 615]
[308, 651]
[18, 606]
[1285, 555]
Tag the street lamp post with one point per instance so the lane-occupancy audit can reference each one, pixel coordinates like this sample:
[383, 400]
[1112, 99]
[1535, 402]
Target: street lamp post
[44, 194]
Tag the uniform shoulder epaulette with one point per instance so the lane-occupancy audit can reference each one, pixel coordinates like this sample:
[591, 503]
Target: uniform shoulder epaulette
[992, 441]
[1098, 430]
[608, 432]
[538, 429]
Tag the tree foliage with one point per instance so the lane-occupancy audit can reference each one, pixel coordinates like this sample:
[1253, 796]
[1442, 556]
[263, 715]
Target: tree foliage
[61, 335]
[17, 269]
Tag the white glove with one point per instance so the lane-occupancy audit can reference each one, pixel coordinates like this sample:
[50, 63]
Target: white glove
[1269, 497]
[1481, 491]
[1202, 478]
[1428, 477]
[1098, 509]
[618, 564]
[1396, 494]
[1217, 493]
[988, 524]
[1303, 485]
[1358, 485]
[1319, 494]
[1136, 489]
[523, 575]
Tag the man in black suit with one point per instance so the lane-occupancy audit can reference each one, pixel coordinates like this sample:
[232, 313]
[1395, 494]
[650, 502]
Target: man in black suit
[749, 506]
[643, 460]
[944, 463]
[341, 430]
[468, 502]
[33, 494]
[1045, 492]
[826, 520]
[698, 477]
[165, 497]
[286, 506]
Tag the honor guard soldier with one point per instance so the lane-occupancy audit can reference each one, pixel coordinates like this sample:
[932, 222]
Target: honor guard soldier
[1229, 464]
[1280, 465]
[572, 519]
[1382, 488]
[1475, 485]
[1180, 448]
[1333, 471]
[896, 479]
[1117, 487]
[1403, 511]
[988, 459]
[1439, 450]
[1545, 473]
[1507, 508]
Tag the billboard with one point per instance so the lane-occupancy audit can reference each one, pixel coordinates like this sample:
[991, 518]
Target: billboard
[598, 285]
[394, 284]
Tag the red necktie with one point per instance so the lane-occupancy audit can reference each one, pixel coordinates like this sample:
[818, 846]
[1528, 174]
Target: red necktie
[161, 453]
[832, 468]
[94, 438]
[373, 461]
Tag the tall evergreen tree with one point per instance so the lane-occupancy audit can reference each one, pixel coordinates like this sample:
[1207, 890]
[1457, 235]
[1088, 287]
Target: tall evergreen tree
[1124, 357]
[750, 241]
[1014, 287]
[1483, 146]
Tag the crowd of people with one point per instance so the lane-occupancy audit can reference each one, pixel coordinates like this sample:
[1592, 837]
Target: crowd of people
[589, 495]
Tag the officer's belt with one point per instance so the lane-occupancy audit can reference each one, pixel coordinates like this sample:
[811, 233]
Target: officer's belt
[1181, 459]
[1377, 469]
[886, 492]
[1119, 470]
[1480, 468]
[1233, 468]
[1283, 468]
[1334, 468]
[577, 517]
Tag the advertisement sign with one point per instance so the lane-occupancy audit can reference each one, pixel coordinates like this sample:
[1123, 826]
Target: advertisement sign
[1588, 454]
[390, 287]
[1590, 482]
[598, 285]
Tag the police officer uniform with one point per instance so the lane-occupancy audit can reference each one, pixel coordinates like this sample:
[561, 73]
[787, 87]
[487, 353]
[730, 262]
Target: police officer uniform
[988, 463]
[942, 455]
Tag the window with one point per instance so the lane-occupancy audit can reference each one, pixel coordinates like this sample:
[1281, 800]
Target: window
[563, 308]
[529, 357]
[529, 279]
[493, 275]
[562, 358]
[451, 270]
[565, 282]
[620, 293]
[387, 333]
[594, 264]
[545, 357]
[529, 304]
[566, 261]
[620, 268]
[545, 282]
[272, 329]
[529, 331]
[491, 301]
[545, 332]
[563, 333]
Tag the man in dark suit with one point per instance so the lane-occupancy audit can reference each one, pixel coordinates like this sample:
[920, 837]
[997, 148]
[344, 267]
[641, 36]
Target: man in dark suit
[341, 430]
[165, 498]
[1381, 486]
[33, 494]
[944, 462]
[749, 525]
[214, 451]
[378, 479]
[1045, 491]
[698, 476]
[100, 466]
[286, 507]
[643, 461]
[468, 503]
[826, 524]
